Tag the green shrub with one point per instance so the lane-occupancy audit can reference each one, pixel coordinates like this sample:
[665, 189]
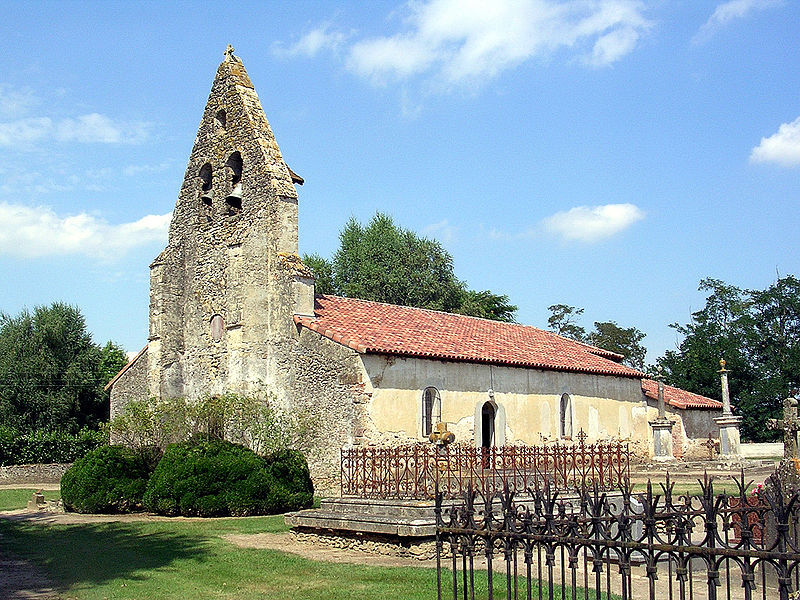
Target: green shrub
[110, 479]
[217, 478]
[43, 446]
[292, 488]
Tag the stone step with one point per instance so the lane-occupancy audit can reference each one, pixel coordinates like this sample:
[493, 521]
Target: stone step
[319, 519]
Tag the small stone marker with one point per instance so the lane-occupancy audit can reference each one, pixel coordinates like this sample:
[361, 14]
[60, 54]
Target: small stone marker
[37, 501]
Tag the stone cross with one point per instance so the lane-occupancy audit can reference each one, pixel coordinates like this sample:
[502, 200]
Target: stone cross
[790, 426]
[728, 422]
[229, 52]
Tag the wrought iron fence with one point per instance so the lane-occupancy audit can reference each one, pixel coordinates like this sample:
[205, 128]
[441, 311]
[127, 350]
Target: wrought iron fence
[597, 545]
[415, 471]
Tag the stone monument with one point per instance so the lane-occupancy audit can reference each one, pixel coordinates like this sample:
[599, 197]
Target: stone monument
[662, 427]
[728, 422]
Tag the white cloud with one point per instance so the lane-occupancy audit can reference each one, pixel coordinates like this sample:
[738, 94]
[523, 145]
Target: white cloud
[459, 41]
[313, 42]
[134, 170]
[93, 128]
[782, 147]
[593, 223]
[37, 232]
[24, 132]
[729, 11]
[15, 103]
[442, 231]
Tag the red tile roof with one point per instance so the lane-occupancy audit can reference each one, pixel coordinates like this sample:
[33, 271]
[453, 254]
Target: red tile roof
[677, 397]
[373, 327]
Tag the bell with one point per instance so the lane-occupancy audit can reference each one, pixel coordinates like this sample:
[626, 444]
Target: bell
[234, 199]
[236, 192]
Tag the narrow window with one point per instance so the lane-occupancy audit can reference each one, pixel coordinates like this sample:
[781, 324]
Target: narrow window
[565, 417]
[220, 119]
[206, 181]
[431, 410]
[217, 327]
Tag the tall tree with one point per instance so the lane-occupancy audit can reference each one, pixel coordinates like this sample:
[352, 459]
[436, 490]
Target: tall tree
[51, 372]
[757, 332]
[563, 320]
[386, 263]
[622, 340]
[606, 334]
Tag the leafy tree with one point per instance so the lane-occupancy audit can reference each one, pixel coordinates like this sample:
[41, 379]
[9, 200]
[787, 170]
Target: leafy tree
[606, 334]
[486, 305]
[51, 372]
[622, 340]
[386, 263]
[757, 332]
[323, 273]
[562, 320]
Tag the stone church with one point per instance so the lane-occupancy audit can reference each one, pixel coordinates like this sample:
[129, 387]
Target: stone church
[233, 309]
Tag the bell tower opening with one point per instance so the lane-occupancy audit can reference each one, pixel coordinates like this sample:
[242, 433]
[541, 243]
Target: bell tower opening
[233, 201]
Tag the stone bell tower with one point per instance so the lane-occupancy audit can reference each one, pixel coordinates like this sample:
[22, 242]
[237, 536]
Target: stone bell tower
[223, 291]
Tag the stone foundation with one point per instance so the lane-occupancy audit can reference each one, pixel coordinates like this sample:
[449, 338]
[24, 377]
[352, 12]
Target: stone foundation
[418, 549]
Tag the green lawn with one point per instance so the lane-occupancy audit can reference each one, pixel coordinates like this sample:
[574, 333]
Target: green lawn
[16, 499]
[189, 559]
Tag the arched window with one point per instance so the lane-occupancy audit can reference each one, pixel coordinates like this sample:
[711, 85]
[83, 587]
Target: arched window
[431, 410]
[221, 119]
[565, 417]
[217, 327]
[234, 199]
[206, 182]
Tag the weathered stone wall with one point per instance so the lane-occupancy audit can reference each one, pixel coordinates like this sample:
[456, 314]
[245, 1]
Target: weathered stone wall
[33, 474]
[131, 385]
[218, 313]
[698, 423]
[328, 386]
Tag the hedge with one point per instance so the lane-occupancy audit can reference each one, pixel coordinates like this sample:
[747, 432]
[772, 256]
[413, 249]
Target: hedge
[218, 478]
[36, 447]
[110, 479]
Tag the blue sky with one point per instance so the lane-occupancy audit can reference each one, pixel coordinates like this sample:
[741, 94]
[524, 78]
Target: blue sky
[606, 154]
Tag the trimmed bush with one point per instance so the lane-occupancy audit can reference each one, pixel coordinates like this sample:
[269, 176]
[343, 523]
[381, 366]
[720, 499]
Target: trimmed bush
[292, 487]
[218, 479]
[110, 479]
[42, 446]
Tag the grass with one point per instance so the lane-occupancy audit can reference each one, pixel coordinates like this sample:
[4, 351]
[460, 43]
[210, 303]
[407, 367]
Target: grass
[685, 488]
[12, 499]
[187, 558]
[183, 558]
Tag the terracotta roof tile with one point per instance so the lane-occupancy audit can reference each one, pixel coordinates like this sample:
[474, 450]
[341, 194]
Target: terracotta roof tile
[373, 327]
[677, 397]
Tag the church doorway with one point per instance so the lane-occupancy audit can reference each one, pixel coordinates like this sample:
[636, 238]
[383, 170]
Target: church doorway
[487, 425]
[487, 433]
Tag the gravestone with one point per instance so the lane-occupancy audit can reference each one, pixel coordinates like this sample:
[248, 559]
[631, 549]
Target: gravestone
[37, 501]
